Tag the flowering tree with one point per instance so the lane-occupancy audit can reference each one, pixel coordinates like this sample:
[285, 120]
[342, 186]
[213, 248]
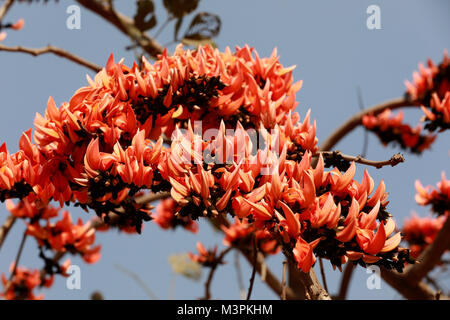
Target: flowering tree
[214, 135]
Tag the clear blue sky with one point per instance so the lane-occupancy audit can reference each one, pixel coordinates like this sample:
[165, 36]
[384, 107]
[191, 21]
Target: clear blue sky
[334, 53]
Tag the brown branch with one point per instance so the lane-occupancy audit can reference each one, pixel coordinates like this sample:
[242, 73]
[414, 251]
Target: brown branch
[345, 281]
[283, 281]
[16, 261]
[307, 286]
[150, 197]
[322, 272]
[393, 161]
[237, 266]
[125, 24]
[430, 256]
[214, 266]
[255, 259]
[54, 50]
[356, 120]
[409, 290]
[5, 228]
[4, 9]
[409, 283]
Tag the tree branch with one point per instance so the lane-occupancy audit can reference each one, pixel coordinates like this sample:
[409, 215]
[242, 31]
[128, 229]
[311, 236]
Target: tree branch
[409, 290]
[356, 120]
[56, 51]
[345, 281]
[393, 161]
[430, 256]
[255, 259]
[212, 271]
[4, 9]
[4, 229]
[124, 24]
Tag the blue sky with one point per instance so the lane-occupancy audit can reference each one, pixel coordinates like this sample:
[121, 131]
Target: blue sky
[334, 52]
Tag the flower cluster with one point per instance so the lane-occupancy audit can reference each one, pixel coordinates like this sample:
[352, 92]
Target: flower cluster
[216, 130]
[419, 233]
[60, 236]
[431, 86]
[165, 217]
[205, 257]
[309, 211]
[438, 198]
[23, 283]
[241, 231]
[390, 129]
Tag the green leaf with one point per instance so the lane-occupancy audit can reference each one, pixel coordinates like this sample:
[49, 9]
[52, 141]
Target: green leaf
[180, 8]
[145, 18]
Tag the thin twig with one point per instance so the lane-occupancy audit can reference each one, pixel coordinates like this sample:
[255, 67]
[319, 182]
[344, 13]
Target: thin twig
[283, 281]
[212, 271]
[4, 9]
[322, 272]
[56, 51]
[255, 259]
[345, 281]
[5, 228]
[125, 24]
[393, 161]
[246, 249]
[161, 28]
[138, 280]
[240, 281]
[356, 120]
[16, 261]
[366, 132]
[19, 254]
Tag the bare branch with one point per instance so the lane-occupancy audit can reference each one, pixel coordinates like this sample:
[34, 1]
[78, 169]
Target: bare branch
[212, 271]
[356, 120]
[345, 281]
[56, 51]
[138, 280]
[409, 290]
[322, 272]
[4, 229]
[124, 24]
[255, 259]
[4, 9]
[283, 281]
[393, 161]
[431, 256]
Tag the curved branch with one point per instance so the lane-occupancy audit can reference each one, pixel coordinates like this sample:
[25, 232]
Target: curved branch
[56, 51]
[431, 256]
[356, 120]
[409, 290]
